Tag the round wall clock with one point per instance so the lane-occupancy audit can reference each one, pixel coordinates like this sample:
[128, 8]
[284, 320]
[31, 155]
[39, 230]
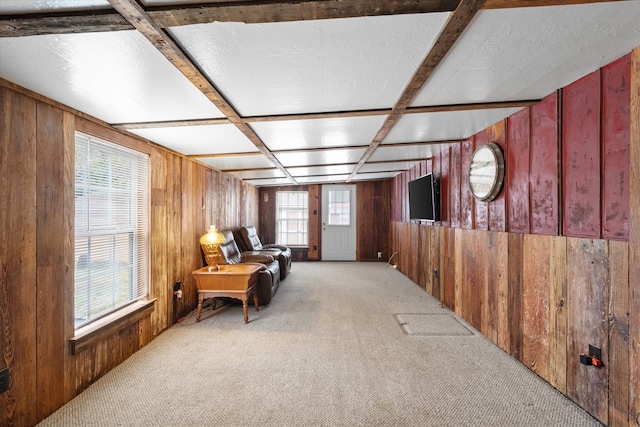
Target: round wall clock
[486, 172]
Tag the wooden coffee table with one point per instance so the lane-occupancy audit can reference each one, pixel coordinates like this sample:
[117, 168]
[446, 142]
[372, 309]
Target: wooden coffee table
[231, 280]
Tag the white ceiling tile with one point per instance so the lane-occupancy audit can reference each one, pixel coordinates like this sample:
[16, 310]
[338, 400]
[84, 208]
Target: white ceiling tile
[318, 133]
[389, 153]
[258, 174]
[237, 162]
[313, 65]
[324, 157]
[386, 167]
[528, 53]
[41, 6]
[269, 182]
[374, 176]
[321, 170]
[321, 179]
[443, 126]
[209, 139]
[114, 76]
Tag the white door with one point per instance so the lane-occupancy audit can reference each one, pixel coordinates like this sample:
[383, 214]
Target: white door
[338, 222]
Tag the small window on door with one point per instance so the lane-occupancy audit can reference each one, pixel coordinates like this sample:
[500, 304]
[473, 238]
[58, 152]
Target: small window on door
[292, 218]
[339, 207]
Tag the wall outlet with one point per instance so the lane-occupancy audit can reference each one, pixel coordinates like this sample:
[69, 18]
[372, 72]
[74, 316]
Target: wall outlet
[379, 255]
[4, 380]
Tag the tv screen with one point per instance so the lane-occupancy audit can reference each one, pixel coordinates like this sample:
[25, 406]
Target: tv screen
[424, 199]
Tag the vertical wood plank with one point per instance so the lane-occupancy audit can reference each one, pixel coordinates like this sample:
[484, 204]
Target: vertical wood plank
[17, 249]
[535, 306]
[54, 256]
[581, 157]
[458, 272]
[619, 335]
[158, 239]
[616, 122]
[517, 171]
[444, 168]
[634, 242]
[424, 258]
[466, 198]
[448, 269]
[455, 185]
[497, 286]
[498, 206]
[314, 222]
[515, 294]
[499, 274]
[480, 208]
[588, 302]
[558, 314]
[544, 173]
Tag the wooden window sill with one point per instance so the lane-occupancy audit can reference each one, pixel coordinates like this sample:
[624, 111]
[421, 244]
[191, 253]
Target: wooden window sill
[99, 330]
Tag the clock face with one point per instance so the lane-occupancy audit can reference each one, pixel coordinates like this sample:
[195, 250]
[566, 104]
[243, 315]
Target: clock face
[486, 172]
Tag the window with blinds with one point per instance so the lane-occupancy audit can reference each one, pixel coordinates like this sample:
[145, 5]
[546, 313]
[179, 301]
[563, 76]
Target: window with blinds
[111, 227]
[292, 218]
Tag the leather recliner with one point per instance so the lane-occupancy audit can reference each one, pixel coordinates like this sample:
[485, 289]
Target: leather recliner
[249, 241]
[268, 279]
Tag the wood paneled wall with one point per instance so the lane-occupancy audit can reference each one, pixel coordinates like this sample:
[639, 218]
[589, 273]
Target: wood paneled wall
[551, 266]
[372, 210]
[37, 257]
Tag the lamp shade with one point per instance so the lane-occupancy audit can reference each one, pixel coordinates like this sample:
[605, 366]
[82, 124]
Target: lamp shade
[210, 244]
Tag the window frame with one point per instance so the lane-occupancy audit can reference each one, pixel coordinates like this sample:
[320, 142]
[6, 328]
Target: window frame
[138, 230]
[304, 219]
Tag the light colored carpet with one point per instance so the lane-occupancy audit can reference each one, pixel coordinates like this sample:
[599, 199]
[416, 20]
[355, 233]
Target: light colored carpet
[340, 344]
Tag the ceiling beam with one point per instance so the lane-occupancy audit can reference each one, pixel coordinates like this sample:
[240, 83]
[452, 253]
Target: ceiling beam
[189, 14]
[329, 115]
[453, 29]
[89, 21]
[137, 17]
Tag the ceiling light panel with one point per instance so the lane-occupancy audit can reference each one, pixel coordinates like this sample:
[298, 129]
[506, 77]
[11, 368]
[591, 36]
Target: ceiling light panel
[528, 53]
[374, 176]
[209, 139]
[313, 65]
[324, 157]
[258, 174]
[318, 133]
[391, 153]
[114, 76]
[448, 125]
[386, 167]
[322, 179]
[321, 170]
[237, 162]
[268, 182]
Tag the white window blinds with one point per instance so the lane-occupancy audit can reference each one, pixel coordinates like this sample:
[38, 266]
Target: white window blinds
[111, 227]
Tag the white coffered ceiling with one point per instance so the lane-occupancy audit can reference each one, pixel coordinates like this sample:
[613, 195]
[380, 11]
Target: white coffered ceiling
[287, 92]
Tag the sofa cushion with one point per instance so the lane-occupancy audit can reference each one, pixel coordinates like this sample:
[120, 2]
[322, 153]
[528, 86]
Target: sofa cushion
[249, 241]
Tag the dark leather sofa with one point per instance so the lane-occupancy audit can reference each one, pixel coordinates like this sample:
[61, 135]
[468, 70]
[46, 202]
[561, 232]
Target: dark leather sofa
[249, 241]
[268, 279]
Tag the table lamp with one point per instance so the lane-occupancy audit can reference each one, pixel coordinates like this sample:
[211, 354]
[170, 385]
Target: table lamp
[210, 244]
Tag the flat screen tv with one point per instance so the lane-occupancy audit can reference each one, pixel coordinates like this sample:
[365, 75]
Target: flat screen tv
[424, 199]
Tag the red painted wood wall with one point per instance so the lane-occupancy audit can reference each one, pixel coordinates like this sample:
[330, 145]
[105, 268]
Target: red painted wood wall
[566, 173]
